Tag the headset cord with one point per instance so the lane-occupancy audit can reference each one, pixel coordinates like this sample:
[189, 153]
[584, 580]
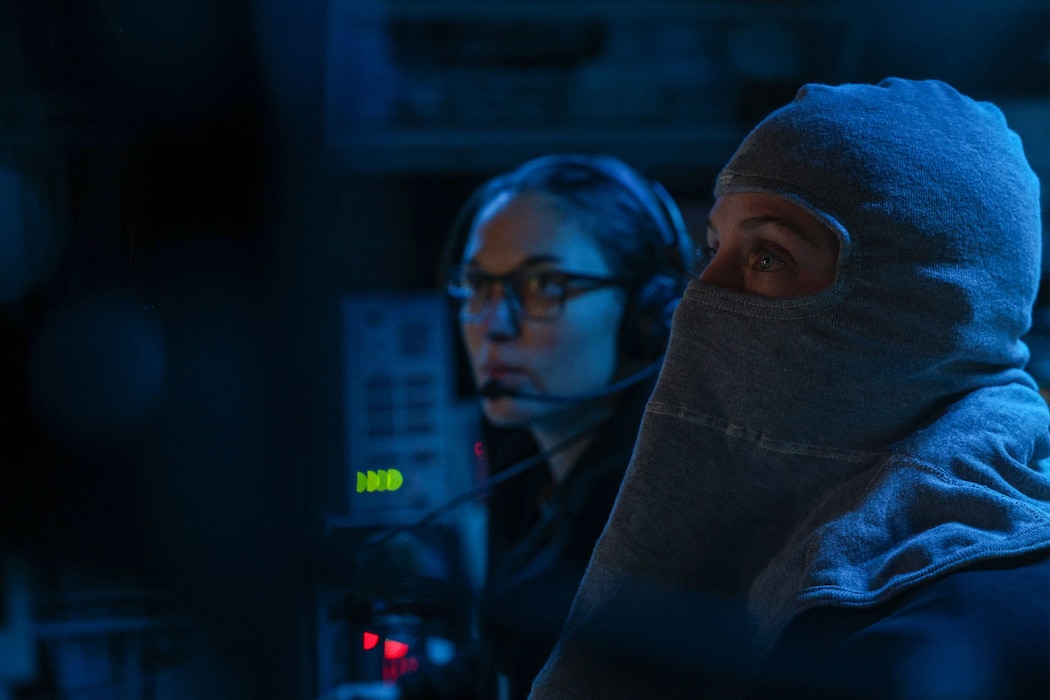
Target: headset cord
[470, 494]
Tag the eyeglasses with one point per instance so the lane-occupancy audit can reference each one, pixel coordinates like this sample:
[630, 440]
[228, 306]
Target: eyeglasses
[535, 293]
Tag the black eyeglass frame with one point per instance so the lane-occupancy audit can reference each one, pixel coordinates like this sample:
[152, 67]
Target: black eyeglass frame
[572, 284]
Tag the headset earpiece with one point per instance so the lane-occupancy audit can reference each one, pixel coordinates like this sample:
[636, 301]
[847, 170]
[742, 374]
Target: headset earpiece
[647, 320]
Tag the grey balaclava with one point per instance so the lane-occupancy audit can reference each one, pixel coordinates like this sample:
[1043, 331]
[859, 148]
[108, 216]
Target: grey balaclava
[939, 217]
[838, 448]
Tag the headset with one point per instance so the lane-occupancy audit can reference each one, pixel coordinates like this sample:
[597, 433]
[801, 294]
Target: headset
[647, 318]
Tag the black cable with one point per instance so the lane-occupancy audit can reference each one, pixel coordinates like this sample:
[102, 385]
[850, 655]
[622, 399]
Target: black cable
[482, 488]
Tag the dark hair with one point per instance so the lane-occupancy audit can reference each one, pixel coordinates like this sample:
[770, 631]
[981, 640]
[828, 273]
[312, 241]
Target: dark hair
[635, 224]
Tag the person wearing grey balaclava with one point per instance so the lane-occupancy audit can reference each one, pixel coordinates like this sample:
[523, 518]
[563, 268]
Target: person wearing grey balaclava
[842, 492]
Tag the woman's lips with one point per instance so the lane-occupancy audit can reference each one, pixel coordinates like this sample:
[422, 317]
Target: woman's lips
[504, 374]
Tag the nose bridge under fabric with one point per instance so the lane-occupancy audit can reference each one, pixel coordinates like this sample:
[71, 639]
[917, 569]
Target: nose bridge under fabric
[719, 272]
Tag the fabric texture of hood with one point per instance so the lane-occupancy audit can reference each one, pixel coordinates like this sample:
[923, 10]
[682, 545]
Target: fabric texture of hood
[939, 217]
[839, 448]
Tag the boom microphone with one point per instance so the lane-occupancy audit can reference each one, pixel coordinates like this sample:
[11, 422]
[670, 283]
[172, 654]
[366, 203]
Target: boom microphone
[494, 389]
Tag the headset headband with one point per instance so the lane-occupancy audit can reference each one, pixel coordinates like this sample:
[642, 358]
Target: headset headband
[676, 246]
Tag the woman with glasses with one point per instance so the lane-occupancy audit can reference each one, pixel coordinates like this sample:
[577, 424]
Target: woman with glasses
[565, 272]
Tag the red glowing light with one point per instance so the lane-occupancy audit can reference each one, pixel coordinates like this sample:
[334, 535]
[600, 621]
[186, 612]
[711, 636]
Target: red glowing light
[371, 639]
[394, 650]
[395, 668]
[479, 449]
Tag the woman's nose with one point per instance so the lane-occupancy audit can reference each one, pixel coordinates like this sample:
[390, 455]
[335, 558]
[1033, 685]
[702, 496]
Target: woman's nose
[501, 319]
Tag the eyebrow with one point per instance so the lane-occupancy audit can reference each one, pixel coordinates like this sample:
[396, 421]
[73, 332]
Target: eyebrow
[527, 262]
[753, 222]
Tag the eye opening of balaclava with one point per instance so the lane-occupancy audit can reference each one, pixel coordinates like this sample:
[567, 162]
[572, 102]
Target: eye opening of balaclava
[795, 306]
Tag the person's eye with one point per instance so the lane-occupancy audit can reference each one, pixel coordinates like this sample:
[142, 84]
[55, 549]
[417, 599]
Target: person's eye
[767, 261]
[548, 284]
[472, 284]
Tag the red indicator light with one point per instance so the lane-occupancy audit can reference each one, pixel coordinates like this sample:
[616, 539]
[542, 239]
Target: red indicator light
[394, 650]
[370, 641]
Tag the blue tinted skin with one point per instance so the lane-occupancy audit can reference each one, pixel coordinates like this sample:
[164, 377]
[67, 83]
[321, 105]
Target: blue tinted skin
[575, 353]
[766, 245]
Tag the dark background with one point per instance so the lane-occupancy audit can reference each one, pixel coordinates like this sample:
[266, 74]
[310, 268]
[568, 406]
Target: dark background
[189, 189]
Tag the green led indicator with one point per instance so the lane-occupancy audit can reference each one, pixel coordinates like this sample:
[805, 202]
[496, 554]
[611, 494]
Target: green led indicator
[379, 480]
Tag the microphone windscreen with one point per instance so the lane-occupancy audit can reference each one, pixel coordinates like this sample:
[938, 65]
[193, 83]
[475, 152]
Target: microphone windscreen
[492, 389]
